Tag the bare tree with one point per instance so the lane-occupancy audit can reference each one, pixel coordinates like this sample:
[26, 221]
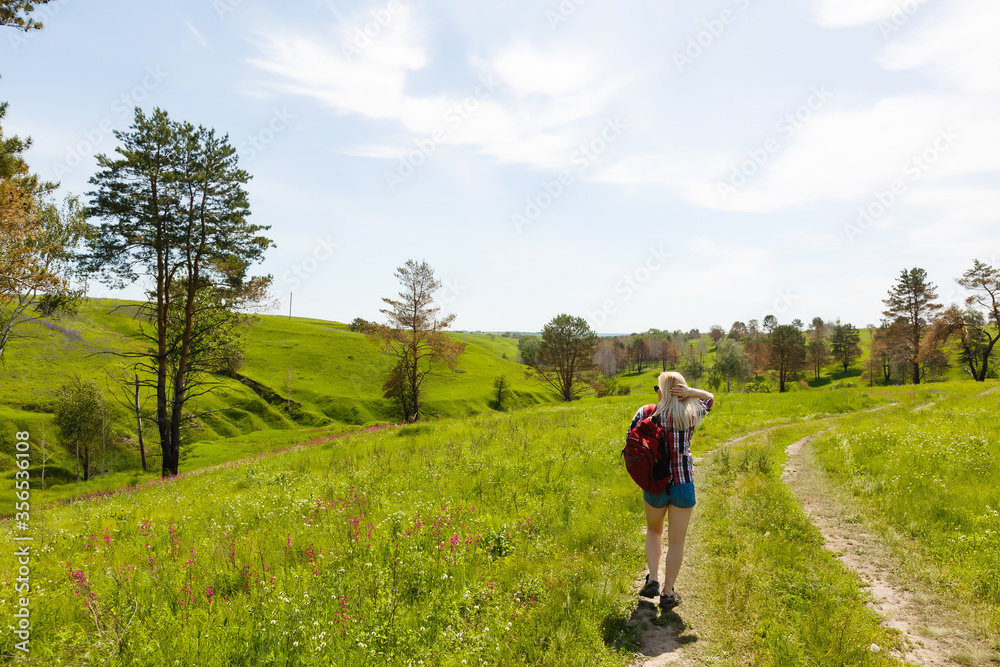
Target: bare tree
[669, 354]
[983, 281]
[738, 331]
[414, 336]
[605, 358]
[717, 333]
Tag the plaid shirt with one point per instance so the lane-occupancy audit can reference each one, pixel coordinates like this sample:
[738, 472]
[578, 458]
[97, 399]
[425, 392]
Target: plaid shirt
[678, 441]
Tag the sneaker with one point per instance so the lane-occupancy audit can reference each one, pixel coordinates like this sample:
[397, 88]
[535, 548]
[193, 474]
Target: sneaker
[651, 589]
[668, 602]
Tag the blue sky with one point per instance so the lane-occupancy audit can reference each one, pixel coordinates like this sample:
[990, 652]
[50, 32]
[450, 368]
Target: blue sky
[642, 164]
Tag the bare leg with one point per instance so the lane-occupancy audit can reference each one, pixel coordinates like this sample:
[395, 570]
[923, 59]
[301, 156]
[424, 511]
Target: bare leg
[654, 539]
[678, 520]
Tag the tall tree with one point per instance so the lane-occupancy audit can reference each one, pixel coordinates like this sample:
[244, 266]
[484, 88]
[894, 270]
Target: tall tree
[787, 346]
[174, 210]
[566, 355]
[414, 336]
[640, 349]
[911, 300]
[845, 344]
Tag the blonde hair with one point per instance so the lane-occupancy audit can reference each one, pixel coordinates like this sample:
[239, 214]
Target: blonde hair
[686, 413]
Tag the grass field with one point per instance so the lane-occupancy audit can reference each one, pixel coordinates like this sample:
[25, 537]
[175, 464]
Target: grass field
[933, 476]
[498, 539]
[778, 597]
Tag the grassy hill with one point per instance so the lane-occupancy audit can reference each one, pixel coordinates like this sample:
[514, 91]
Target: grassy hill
[299, 374]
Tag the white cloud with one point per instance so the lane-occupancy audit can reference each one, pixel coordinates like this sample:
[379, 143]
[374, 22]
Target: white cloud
[553, 73]
[548, 102]
[961, 50]
[369, 81]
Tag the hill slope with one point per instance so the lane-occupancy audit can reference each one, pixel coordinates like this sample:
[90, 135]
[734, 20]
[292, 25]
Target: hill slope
[299, 373]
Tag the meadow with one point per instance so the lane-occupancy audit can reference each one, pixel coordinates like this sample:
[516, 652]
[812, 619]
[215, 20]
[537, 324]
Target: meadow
[498, 539]
[306, 529]
[777, 596]
[933, 476]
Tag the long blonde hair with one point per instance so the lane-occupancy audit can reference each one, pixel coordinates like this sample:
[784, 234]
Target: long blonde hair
[685, 413]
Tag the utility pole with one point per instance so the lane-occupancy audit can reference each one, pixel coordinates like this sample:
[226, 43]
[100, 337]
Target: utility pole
[290, 306]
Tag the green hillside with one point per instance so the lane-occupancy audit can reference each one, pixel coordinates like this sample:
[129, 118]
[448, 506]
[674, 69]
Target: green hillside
[299, 374]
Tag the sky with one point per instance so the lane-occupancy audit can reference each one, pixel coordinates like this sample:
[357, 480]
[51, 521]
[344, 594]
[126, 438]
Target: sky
[640, 164]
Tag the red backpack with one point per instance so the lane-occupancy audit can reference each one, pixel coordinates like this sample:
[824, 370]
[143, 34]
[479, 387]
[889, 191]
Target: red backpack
[641, 453]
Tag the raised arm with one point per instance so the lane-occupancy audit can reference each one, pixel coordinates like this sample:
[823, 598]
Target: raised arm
[683, 391]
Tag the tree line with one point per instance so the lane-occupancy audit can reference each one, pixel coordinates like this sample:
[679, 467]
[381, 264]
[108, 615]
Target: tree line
[916, 339]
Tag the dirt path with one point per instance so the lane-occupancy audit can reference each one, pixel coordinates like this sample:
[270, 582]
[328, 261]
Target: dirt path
[932, 634]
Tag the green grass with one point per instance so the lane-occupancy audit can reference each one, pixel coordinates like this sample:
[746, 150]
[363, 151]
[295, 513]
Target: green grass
[778, 597]
[467, 540]
[497, 539]
[933, 475]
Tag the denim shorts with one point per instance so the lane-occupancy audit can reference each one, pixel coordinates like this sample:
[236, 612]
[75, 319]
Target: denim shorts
[679, 495]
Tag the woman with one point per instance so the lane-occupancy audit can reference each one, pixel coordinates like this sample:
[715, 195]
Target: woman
[679, 410]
